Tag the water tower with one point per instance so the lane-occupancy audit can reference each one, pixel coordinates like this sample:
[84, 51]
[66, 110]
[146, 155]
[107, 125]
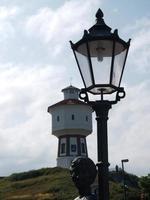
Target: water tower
[71, 124]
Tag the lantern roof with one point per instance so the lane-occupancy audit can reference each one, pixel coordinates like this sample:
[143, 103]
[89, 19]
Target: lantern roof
[100, 27]
[99, 31]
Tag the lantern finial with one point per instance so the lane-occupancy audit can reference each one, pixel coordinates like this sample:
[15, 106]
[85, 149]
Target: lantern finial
[99, 14]
[100, 28]
[99, 17]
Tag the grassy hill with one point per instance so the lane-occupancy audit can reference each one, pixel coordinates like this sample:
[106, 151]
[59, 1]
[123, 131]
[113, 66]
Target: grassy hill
[48, 183]
[54, 184]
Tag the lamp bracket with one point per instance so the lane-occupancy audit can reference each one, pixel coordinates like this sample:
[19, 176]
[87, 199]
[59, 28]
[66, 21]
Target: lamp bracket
[120, 94]
[83, 95]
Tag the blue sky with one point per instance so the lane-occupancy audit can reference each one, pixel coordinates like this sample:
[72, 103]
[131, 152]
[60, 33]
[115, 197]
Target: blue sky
[36, 62]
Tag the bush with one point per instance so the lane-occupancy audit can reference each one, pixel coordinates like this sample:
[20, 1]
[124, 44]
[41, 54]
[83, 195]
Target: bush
[34, 174]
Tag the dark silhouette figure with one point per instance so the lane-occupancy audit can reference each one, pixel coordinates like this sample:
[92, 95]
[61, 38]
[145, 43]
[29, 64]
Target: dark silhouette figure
[83, 172]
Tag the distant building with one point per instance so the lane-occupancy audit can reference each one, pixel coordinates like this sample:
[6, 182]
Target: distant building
[71, 123]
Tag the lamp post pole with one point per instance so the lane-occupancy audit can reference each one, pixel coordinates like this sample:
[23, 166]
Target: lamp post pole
[102, 108]
[124, 183]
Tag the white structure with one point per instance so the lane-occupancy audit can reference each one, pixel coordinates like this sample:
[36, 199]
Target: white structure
[71, 123]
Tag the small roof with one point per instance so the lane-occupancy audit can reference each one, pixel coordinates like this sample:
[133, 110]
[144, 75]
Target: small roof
[70, 87]
[67, 102]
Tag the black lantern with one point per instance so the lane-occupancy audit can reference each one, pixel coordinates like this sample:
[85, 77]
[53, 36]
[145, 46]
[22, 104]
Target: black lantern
[101, 57]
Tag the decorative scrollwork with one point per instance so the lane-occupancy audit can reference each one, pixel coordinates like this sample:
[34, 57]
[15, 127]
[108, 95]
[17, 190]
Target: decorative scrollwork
[83, 95]
[120, 95]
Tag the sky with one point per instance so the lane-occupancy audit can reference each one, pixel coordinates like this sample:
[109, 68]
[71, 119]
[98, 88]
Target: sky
[36, 63]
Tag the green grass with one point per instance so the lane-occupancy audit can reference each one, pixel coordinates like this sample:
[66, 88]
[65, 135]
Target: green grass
[54, 184]
[50, 184]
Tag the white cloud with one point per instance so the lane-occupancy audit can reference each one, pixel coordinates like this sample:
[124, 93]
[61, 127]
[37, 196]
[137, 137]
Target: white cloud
[129, 126]
[25, 137]
[30, 85]
[115, 10]
[140, 44]
[32, 45]
[7, 15]
[8, 12]
[57, 27]
[128, 131]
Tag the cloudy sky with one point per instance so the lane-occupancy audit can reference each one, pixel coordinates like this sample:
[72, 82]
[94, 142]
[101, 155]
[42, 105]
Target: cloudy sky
[36, 62]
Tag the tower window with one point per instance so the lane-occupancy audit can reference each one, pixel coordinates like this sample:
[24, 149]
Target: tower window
[71, 91]
[86, 118]
[72, 117]
[58, 118]
[73, 148]
[63, 148]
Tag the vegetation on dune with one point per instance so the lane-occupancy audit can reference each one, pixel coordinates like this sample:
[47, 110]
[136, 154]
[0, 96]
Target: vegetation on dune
[43, 184]
[145, 185]
[56, 184]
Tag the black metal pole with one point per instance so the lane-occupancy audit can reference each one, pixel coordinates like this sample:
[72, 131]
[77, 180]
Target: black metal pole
[102, 108]
[124, 185]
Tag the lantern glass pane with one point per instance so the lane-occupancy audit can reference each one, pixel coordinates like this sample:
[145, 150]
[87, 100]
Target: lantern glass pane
[84, 65]
[101, 56]
[118, 65]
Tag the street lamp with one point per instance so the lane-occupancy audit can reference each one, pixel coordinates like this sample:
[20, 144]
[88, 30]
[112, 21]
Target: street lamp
[101, 57]
[124, 184]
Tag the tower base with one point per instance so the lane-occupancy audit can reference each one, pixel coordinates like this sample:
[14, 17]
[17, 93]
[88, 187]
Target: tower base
[65, 162]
